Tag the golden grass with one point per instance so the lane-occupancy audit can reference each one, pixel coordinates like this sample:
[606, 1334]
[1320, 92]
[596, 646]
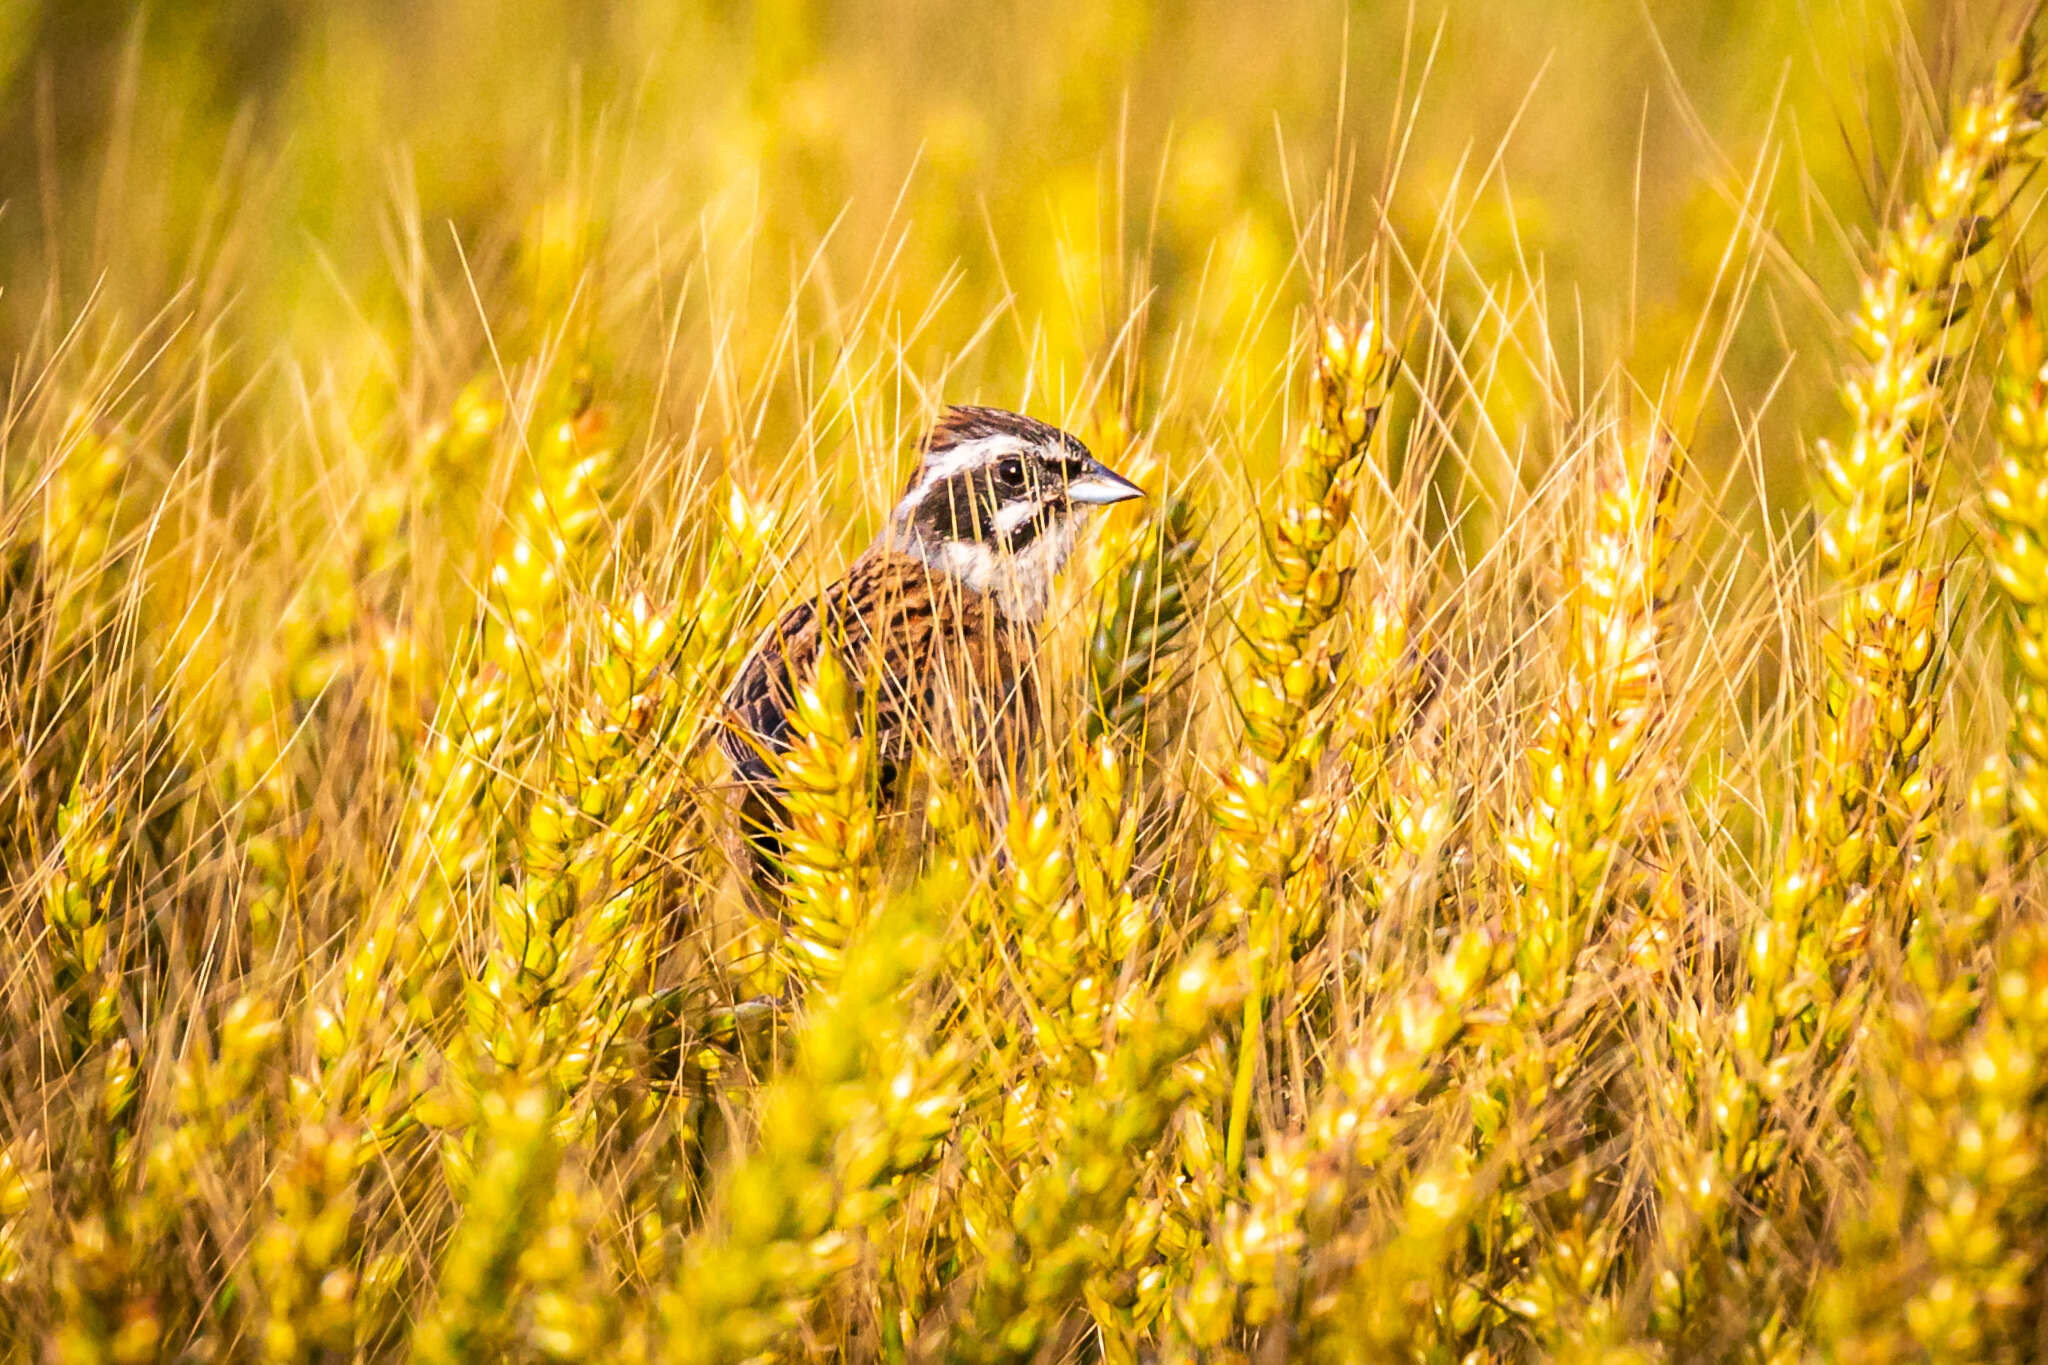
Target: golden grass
[1486, 890]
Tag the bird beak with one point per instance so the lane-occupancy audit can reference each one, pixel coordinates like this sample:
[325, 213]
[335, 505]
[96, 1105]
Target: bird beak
[1097, 485]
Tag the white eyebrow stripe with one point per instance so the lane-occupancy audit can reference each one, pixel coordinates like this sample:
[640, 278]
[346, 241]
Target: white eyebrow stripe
[942, 465]
[969, 454]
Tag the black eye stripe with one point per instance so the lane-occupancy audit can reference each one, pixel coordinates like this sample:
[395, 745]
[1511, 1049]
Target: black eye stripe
[1047, 466]
[961, 506]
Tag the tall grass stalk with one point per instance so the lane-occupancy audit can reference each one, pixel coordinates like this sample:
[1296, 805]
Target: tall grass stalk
[1494, 883]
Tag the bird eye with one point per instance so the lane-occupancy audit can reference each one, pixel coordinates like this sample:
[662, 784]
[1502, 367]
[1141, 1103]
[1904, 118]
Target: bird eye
[1010, 472]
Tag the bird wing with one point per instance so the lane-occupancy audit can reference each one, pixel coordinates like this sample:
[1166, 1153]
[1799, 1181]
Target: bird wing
[762, 697]
[914, 643]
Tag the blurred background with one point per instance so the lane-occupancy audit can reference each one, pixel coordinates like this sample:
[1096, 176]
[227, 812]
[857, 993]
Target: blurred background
[281, 175]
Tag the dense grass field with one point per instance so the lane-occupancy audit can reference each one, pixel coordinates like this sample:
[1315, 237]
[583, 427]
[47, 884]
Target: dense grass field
[1534, 853]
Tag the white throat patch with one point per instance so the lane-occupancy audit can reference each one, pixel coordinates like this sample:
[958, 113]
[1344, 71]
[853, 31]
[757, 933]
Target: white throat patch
[1021, 582]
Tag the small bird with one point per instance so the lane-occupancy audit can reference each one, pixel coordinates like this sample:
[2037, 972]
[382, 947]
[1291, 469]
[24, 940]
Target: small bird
[936, 622]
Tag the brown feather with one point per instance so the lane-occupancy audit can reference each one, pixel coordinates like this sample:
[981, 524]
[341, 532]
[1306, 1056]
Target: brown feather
[959, 424]
[934, 662]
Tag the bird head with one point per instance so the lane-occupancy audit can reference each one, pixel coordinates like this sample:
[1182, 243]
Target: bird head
[998, 501]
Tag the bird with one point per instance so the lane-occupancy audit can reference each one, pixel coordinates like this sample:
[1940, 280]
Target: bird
[936, 622]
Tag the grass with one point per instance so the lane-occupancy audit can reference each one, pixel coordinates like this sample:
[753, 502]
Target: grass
[1498, 880]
